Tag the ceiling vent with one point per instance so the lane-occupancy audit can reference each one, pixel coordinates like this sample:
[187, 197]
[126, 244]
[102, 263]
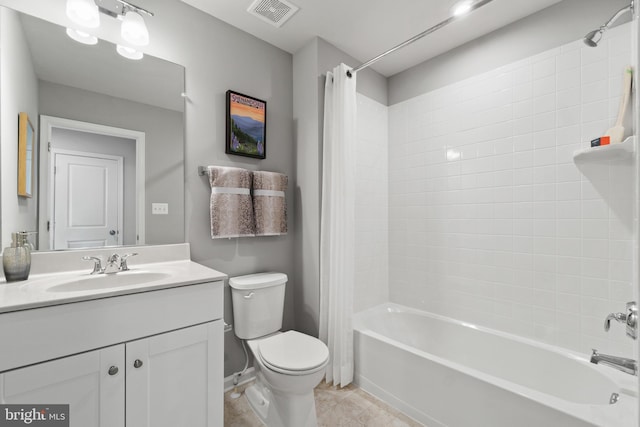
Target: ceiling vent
[275, 12]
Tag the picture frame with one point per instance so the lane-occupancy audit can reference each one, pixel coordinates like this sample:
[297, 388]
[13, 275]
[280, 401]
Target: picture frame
[26, 155]
[246, 126]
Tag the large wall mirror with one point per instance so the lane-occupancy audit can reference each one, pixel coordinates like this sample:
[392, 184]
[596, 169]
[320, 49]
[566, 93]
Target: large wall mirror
[110, 140]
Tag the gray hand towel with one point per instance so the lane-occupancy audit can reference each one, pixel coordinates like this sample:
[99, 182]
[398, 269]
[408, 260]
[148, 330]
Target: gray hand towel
[269, 203]
[231, 205]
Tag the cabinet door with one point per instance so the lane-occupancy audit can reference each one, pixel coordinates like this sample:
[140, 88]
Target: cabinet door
[95, 397]
[176, 379]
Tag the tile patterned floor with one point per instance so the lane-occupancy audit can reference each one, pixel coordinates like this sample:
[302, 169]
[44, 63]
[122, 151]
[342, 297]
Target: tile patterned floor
[346, 407]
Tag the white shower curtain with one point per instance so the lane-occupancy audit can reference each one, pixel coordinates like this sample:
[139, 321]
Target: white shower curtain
[337, 232]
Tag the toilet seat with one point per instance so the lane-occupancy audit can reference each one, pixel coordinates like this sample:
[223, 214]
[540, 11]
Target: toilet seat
[293, 353]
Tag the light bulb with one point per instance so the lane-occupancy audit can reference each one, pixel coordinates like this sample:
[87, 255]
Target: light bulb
[129, 52]
[462, 7]
[82, 37]
[134, 29]
[84, 13]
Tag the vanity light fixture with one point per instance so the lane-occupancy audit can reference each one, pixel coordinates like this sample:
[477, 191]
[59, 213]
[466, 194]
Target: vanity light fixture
[82, 37]
[84, 13]
[133, 30]
[129, 52]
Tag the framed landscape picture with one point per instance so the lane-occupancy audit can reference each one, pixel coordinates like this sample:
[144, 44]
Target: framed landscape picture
[246, 126]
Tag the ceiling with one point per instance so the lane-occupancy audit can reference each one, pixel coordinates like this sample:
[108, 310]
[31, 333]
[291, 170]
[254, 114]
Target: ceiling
[366, 28]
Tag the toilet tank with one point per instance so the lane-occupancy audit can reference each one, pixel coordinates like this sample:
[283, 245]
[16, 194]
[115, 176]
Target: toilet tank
[258, 304]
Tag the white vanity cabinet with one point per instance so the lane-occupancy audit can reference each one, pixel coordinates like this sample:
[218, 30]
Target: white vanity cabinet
[148, 359]
[173, 379]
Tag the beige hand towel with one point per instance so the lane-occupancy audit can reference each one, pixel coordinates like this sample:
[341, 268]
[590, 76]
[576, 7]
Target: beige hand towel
[269, 203]
[231, 205]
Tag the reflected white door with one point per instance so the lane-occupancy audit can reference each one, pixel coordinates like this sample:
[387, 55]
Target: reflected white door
[87, 200]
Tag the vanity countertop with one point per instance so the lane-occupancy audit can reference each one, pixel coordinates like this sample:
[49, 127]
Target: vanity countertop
[48, 289]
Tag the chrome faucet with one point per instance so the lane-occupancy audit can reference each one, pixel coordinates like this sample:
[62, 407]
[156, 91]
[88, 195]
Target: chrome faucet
[123, 261]
[115, 263]
[97, 264]
[623, 364]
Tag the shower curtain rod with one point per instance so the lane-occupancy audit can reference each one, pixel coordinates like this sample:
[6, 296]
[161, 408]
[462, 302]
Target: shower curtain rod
[417, 37]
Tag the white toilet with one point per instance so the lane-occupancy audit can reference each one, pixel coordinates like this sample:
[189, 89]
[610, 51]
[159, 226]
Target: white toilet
[288, 364]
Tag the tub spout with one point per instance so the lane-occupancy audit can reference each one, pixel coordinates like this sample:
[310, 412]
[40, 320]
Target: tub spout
[623, 364]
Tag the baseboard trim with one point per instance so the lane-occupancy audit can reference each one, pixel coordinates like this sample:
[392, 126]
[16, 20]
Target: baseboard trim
[249, 375]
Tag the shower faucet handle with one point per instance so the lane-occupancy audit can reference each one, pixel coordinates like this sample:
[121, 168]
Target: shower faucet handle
[630, 319]
[618, 317]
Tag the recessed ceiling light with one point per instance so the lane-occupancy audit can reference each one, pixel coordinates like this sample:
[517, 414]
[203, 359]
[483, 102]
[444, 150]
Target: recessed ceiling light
[462, 7]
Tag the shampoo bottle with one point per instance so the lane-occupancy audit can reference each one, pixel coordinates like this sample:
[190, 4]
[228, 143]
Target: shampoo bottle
[16, 259]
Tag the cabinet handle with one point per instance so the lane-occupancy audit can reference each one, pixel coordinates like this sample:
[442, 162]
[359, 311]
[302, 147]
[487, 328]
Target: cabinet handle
[113, 370]
[137, 363]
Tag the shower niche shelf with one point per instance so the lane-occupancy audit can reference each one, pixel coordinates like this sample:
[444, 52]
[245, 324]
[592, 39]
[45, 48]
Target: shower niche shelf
[621, 151]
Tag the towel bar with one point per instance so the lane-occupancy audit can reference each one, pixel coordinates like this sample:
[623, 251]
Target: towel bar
[203, 170]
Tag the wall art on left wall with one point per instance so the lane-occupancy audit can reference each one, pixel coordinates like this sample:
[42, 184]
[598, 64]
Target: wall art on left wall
[246, 126]
[26, 153]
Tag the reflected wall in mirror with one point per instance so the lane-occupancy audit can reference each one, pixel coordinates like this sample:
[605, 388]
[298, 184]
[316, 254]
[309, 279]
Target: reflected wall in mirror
[108, 121]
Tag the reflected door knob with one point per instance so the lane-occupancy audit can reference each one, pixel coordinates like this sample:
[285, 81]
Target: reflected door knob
[112, 232]
[137, 363]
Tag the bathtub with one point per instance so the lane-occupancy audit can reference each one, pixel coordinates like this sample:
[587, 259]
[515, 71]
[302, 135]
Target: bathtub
[444, 372]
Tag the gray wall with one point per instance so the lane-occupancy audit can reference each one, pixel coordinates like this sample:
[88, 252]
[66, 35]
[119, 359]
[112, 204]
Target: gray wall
[310, 65]
[164, 148]
[218, 58]
[561, 23]
[307, 190]
[19, 87]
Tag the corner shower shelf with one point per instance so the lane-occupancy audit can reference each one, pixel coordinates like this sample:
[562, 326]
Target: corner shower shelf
[621, 151]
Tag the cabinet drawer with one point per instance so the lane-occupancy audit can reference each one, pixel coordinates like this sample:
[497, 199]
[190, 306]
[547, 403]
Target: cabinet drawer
[41, 334]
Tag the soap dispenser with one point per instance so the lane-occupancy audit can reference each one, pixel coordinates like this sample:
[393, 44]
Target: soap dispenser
[16, 259]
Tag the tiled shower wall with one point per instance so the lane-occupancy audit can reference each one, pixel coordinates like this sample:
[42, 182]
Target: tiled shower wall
[490, 219]
[372, 219]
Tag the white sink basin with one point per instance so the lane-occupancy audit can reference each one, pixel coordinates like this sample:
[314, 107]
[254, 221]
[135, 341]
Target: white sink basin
[59, 277]
[108, 281]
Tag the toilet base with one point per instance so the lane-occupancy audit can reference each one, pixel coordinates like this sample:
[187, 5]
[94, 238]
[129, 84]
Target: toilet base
[277, 410]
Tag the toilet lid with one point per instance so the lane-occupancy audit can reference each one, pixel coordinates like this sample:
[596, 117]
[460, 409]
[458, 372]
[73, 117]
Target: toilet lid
[293, 351]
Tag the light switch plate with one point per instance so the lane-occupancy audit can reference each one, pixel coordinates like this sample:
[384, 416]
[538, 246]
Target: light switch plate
[160, 208]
